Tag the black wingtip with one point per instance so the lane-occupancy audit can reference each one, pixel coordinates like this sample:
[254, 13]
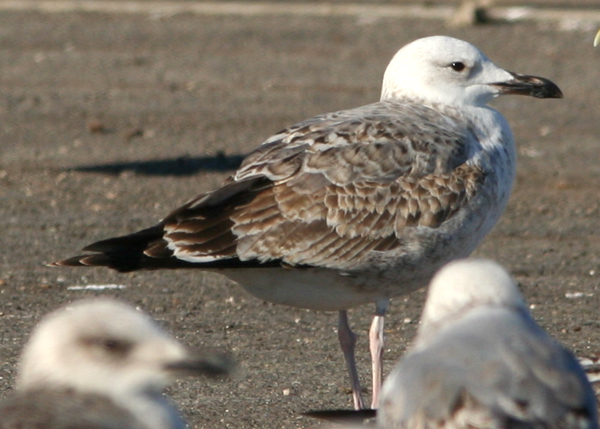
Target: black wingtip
[122, 263]
[75, 261]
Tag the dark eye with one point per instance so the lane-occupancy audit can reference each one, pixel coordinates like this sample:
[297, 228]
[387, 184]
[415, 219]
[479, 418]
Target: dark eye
[114, 347]
[457, 66]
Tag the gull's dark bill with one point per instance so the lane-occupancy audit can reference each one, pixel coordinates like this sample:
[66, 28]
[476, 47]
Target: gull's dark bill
[533, 86]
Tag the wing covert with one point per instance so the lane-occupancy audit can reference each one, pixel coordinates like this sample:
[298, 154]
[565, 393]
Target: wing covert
[330, 190]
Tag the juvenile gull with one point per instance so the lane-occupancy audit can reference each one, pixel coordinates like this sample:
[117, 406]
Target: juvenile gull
[479, 360]
[100, 364]
[355, 206]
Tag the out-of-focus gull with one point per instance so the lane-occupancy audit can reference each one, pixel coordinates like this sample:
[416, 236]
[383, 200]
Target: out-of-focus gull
[597, 39]
[356, 206]
[480, 360]
[100, 364]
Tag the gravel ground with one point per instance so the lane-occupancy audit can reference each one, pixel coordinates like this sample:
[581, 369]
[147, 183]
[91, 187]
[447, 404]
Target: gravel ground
[110, 121]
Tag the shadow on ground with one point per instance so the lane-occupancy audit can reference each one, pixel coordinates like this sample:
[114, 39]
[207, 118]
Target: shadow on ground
[180, 166]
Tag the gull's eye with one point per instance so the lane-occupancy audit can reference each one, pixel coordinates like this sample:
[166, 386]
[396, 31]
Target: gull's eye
[113, 347]
[457, 66]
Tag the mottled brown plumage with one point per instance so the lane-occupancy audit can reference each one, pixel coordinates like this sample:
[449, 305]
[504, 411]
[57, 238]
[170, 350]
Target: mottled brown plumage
[324, 193]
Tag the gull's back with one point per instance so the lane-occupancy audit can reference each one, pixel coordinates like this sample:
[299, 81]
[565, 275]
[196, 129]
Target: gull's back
[63, 409]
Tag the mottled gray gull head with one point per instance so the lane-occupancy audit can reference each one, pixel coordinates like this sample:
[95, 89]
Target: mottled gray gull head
[106, 349]
[445, 70]
[480, 360]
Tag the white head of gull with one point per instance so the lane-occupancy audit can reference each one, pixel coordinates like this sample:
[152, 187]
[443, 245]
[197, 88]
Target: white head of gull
[355, 206]
[101, 364]
[442, 70]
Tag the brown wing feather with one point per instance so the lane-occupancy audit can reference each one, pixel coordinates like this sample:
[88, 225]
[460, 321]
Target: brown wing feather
[332, 198]
[325, 192]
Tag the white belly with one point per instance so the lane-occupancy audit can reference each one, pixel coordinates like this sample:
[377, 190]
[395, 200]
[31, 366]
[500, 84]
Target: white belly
[312, 288]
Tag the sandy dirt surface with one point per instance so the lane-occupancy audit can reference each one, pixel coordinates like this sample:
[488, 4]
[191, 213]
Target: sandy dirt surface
[107, 122]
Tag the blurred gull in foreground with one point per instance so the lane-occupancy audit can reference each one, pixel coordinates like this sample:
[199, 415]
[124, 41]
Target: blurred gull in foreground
[100, 364]
[480, 360]
[356, 206]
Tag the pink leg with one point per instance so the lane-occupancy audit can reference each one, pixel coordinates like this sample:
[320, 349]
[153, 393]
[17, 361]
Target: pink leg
[347, 342]
[376, 344]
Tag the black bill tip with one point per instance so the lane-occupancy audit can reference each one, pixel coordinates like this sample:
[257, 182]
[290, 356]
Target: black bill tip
[533, 86]
[213, 365]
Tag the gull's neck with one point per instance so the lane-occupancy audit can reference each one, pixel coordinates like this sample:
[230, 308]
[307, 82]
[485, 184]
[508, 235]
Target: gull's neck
[153, 410]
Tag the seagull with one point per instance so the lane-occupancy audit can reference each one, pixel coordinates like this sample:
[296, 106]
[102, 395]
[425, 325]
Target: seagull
[355, 206]
[100, 364]
[480, 360]
[597, 39]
